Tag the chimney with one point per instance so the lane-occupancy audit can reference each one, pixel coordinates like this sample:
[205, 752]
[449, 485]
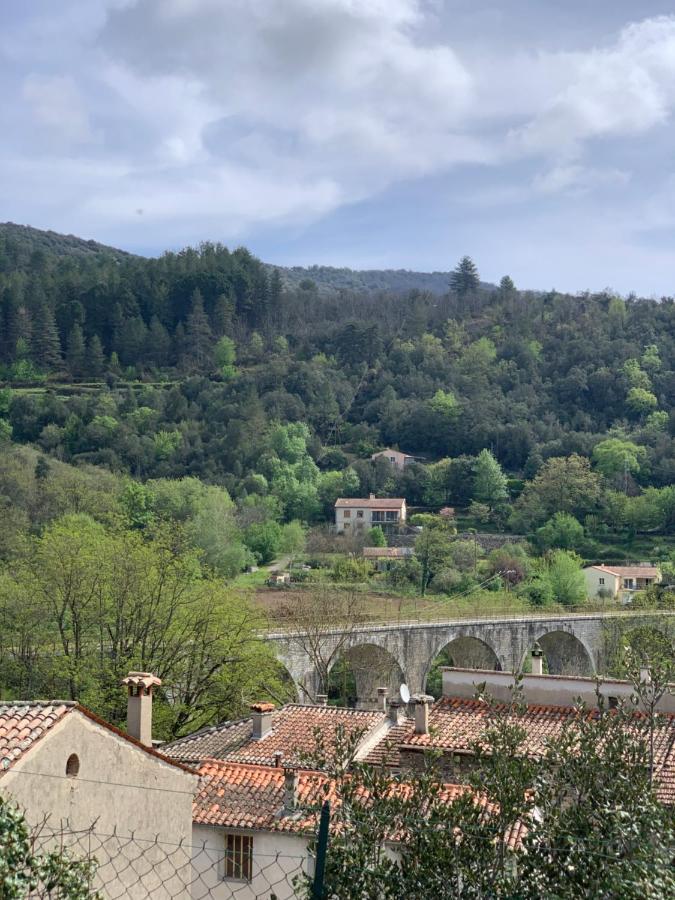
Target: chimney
[537, 659]
[278, 756]
[422, 702]
[140, 686]
[382, 699]
[261, 713]
[322, 699]
[291, 780]
[371, 497]
[394, 707]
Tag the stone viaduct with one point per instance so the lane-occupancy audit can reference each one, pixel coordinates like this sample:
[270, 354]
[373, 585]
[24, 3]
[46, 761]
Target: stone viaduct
[391, 653]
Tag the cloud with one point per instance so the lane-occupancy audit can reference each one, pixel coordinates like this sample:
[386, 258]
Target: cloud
[577, 179]
[620, 90]
[55, 102]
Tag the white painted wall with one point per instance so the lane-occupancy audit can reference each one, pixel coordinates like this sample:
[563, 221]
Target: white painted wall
[277, 859]
[119, 788]
[547, 690]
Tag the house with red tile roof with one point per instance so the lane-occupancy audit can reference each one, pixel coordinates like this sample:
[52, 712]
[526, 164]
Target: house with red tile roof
[357, 514]
[62, 763]
[620, 582]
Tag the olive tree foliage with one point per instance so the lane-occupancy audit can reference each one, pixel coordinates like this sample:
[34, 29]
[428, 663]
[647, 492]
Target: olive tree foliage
[27, 872]
[581, 820]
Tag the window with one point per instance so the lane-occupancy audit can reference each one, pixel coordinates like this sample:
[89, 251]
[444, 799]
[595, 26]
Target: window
[601, 580]
[392, 517]
[239, 856]
[378, 517]
[359, 514]
[347, 525]
[72, 765]
[347, 514]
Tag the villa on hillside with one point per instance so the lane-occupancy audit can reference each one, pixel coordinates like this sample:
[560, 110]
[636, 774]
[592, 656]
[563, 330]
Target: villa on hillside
[357, 514]
[398, 459]
[620, 582]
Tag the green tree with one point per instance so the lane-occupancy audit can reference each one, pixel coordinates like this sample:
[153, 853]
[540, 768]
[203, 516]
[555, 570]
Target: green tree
[563, 484]
[615, 457]
[562, 531]
[75, 351]
[375, 537]
[641, 401]
[464, 278]
[25, 872]
[489, 484]
[45, 342]
[94, 359]
[566, 577]
[433, 552]
[225, 356]
[198, 337]
[264, 540]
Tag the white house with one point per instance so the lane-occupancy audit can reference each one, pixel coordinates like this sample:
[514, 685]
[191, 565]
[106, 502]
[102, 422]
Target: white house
[619, 582]
[357, 514]
[100, 793]
[398, 459]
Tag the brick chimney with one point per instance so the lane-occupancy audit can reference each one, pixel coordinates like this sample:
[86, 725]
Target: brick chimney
[291, 781]
[422, 703]
[382, 699]
[537, 659]
[140, 686]
[261, 713]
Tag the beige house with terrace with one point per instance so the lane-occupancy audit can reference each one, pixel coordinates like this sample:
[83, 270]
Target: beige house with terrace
[360, 514]
[619, 582]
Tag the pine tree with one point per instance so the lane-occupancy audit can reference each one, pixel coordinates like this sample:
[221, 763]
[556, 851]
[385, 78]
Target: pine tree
[222, 316]
[45, 343]
[198, 337]
[95, 361]
[158, 344]
[489, 485]
[276, 296]
[464, 279]
[132, 341]
[75, 351]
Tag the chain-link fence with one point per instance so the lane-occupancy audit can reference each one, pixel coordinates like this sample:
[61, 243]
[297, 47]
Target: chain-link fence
[227, 866]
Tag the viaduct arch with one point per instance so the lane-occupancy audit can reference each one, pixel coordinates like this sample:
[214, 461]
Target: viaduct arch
[580, 644]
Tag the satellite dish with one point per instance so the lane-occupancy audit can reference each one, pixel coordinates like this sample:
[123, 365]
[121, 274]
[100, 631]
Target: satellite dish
[404, 693]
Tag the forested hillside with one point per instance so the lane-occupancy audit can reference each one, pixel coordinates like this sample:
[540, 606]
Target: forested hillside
[203, 363]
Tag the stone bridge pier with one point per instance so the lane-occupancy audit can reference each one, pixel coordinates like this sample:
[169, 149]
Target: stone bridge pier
[388, 654]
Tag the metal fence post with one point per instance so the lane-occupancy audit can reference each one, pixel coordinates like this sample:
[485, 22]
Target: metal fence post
[321, 848]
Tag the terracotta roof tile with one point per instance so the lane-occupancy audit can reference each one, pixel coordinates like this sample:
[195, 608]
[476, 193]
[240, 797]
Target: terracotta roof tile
[291, 735]
[23, 724]
[370, 503]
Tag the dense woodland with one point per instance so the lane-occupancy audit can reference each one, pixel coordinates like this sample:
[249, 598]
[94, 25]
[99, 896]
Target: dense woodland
[177, 419]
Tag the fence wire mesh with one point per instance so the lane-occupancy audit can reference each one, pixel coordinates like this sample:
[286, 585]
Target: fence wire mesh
[127, 866]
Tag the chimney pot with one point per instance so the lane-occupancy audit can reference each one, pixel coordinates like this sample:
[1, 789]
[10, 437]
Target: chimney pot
[140, 686]
[291, 781]
[422, 703]
[261, 714]
[382, 698]
[537, 659]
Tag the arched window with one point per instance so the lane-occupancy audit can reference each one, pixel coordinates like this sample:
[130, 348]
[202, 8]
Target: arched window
[73, 765]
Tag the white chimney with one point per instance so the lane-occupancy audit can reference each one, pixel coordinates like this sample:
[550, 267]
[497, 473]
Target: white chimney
[371, 497]
[291, 781]
[382, 699]
[261, 714]
[140, 686]
[537, 659]
[422, 703]
[322, 699]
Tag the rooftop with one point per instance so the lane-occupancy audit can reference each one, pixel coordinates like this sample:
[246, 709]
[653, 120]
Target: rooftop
[24, 724]
[370, 502]
[635, 571]
[292, 735]
[387, 552]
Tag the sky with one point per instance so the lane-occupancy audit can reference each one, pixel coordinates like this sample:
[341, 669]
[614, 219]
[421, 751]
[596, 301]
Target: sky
[536, 136]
